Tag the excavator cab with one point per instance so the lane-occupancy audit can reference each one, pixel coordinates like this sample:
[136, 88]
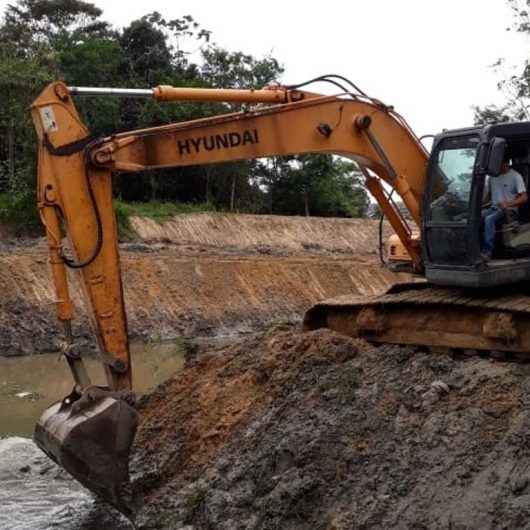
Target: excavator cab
[457, 175]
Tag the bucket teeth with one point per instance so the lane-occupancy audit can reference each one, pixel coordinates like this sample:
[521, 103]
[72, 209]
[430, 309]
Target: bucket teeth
[91, 436]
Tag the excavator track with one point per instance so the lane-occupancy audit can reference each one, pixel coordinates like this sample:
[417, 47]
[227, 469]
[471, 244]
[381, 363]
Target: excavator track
[468, 321]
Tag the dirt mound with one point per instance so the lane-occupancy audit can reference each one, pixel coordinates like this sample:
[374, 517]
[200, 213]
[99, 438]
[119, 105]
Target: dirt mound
[318, 431]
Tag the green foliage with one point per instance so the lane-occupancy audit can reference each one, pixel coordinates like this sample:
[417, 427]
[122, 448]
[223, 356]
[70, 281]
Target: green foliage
[44, 40]
[18, 210]
[39, 27]
[20, 82]
[160, 211]
[321, 185]
[515, 81]
[156, 210]
[222, 68]
[123, 212]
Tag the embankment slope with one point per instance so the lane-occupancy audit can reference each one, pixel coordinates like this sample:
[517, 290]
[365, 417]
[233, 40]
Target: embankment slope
[201, 274]
[277, 232]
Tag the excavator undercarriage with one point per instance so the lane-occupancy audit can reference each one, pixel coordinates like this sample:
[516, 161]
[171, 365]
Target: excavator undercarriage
[452, 320]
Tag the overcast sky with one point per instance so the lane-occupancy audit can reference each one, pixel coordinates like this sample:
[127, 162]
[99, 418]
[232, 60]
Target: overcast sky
[429, 58]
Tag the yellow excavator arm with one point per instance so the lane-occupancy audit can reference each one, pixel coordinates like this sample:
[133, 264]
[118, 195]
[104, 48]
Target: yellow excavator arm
[75, 200]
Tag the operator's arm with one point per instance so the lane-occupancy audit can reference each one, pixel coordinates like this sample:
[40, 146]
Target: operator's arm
[519, 200]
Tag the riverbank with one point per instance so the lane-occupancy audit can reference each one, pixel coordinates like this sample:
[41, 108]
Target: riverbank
[199, 275]
[307, 431]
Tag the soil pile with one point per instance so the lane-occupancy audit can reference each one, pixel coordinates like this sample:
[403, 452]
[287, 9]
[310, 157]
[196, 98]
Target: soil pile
[289, 431]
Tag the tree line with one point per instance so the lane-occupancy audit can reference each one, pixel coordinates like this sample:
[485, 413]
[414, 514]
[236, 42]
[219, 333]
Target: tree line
[514, 81]
[46, 40]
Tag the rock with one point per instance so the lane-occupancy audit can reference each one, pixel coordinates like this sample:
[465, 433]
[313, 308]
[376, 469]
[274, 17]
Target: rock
[430, 397]
[518, 485]
[440, 387]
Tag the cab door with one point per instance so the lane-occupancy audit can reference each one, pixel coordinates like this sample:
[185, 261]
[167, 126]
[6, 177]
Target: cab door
[451, 237]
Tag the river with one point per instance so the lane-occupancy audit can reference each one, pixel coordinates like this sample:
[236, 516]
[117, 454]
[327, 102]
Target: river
[35, 494]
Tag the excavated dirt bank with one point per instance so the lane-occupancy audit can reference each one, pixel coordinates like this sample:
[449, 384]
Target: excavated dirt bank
[276, 233]
[316, 431]
[202, 274]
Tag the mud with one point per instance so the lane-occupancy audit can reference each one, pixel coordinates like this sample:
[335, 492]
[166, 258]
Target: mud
[285, 430]
[201, 274]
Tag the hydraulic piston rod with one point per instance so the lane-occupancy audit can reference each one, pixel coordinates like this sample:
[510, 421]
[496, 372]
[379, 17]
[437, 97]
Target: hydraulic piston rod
[120, 92]
[169, 93]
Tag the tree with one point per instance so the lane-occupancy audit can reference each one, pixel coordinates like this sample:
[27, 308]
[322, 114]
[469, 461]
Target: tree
[516, 85]
[42, 40]
[322, 185]
[222, 68]
[37, 27]
[33, 35]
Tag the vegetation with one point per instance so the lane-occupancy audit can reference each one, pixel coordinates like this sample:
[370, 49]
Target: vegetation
[161, 211]
[515, 81]
[43, 40]
[156, 210]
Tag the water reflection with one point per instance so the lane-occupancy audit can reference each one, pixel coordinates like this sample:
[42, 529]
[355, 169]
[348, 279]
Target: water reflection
[35, 493]
[30, 384]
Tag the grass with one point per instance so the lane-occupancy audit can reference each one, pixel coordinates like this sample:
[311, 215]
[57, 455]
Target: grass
[19, 212]
[156, 210]
[161, 211]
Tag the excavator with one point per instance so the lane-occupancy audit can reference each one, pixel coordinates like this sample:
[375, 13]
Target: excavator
[462, 303]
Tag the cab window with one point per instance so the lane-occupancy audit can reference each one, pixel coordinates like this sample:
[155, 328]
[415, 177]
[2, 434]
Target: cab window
[453, 175]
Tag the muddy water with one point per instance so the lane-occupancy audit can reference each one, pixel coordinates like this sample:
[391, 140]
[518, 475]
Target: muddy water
[34, 493]
[30, 384]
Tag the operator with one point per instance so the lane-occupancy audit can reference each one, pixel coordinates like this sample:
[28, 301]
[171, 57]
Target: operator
[507, 192]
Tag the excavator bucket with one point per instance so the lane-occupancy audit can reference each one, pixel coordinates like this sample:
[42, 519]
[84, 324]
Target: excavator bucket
[91, 436]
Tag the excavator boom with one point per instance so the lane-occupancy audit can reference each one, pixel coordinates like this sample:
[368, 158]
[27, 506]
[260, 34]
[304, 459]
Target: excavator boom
[90, 432]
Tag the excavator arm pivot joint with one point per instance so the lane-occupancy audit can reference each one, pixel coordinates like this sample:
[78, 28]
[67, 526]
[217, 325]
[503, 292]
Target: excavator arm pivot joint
[324, 129]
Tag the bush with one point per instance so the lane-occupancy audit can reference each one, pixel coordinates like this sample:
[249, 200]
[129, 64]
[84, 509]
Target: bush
[19, 211]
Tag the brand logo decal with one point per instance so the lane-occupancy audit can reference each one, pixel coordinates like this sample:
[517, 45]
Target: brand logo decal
[217, 141]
